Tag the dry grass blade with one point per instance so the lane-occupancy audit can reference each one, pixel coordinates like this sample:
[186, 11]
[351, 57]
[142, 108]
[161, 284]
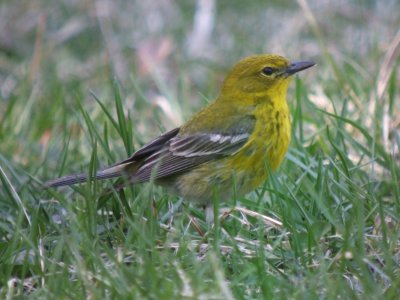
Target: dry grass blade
[38, 49]
[382, 82]
[204, 23]
[13, 193]
[266, 219]
[387, 65]
[196, 226]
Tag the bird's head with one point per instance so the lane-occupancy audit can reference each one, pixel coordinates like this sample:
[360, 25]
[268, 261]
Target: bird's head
[265, 73]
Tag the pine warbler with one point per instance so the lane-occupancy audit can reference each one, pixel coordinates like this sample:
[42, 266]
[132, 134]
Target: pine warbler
[226, 144]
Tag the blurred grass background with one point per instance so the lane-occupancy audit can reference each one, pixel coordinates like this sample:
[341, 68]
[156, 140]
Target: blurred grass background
[84, 83]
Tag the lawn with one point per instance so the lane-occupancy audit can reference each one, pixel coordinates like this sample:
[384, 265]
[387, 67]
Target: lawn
[83, 84]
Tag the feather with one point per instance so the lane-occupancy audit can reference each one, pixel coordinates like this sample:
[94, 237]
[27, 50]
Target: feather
[112, 172]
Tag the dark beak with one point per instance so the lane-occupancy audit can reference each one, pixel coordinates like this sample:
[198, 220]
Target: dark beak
[298, 66]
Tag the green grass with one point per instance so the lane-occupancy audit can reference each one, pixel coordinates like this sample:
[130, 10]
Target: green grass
[334, 203]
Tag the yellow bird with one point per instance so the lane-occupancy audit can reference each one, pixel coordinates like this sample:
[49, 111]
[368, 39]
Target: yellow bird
[224, 146]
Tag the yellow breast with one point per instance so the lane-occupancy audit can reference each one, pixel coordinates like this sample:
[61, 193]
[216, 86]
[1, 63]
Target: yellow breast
[267, 145]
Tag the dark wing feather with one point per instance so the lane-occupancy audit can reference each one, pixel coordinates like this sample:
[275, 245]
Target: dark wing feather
[181, 153]
[150, 148]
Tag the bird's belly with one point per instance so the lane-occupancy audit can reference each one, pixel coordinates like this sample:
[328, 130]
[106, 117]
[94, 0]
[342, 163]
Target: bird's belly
[225, 178]
[211, 179]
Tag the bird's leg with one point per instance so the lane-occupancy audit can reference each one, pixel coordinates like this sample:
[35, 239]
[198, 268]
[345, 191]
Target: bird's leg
[209, 210]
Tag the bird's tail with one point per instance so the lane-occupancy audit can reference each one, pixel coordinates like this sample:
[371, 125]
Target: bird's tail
[111, 172]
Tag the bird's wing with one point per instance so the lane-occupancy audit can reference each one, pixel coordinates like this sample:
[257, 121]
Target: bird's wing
[183, 152]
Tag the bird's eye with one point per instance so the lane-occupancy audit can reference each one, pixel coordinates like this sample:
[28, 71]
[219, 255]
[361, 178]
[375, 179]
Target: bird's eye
[268, 71]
